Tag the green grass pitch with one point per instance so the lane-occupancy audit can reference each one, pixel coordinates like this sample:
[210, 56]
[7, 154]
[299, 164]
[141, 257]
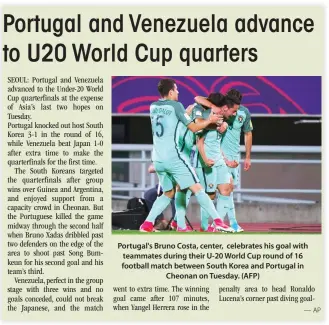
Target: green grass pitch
[197, 233]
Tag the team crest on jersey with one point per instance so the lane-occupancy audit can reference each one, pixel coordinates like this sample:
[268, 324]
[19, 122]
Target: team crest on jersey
[211, 185]
[240, 118]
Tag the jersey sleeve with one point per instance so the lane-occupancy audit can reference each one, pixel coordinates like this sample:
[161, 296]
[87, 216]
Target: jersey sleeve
[247, 125]
[201, 133]
[181, 114]
[198, 111]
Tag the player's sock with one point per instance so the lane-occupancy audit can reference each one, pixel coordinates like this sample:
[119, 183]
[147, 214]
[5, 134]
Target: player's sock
[180, 205]
[158, 207]
[204, 219]
[222, 205]
[231, 210]
[188, 196]
[206, 203]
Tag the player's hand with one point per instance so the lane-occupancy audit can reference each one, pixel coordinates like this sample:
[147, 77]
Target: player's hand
[231, 163]
[215, 119]
[247, 164]
[209, 162]
[189, 109]
[222, 128]
[151, 169]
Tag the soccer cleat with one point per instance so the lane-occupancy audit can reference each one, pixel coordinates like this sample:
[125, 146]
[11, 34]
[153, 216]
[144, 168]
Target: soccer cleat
[236, 228]
[147, 226]
[173, 225]
[210, 229]
[187, 229]
[221, 226]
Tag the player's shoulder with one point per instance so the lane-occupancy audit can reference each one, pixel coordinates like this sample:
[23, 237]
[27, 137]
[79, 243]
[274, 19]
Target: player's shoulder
[158, 102]
[198, 110]
[244, 109]
[154, 104]
[176, 103]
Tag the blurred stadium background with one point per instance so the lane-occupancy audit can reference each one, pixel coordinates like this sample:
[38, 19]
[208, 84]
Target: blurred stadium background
[282, 190]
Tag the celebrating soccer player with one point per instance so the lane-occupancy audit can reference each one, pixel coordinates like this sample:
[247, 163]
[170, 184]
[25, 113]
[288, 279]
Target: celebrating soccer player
[167, 114]
[187, 140]
[230, 147]
[209, 162]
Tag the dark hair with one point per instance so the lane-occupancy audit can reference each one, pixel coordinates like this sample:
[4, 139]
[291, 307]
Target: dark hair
[165, 85]
[234, 96]
[229, 102]
[217, 99]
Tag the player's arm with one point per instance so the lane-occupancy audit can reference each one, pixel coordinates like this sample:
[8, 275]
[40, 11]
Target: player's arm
[204, 102]
[248, 145]
[189, 123]
[211, 126]
[247, 129]
[201, 149]
[199, 118]
[204, 124]
[189, 109]
[229, 163]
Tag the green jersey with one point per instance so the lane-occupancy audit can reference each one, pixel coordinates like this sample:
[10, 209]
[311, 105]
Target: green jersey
[186, 137]
[231, 138]
[212, 143]
[166, 116]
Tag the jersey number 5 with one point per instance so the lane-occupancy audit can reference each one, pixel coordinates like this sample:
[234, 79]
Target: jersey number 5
[158, 128]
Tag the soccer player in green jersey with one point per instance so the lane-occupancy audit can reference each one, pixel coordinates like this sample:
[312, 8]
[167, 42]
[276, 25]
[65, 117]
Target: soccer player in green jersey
[171, 166]
[186, 143]
[231, 150]
[209, 163]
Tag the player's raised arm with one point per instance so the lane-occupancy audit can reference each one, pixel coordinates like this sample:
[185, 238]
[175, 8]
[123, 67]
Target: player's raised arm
[188, 122]
[189, 109]
[204, 102]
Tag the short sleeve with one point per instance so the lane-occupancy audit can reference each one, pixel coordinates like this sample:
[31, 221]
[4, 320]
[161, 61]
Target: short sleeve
[247, 125]
[201, 133]
[181, 114]
[198, 111]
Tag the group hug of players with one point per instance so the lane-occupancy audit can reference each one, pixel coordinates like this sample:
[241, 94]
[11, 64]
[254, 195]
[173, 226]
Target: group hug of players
[197, 151]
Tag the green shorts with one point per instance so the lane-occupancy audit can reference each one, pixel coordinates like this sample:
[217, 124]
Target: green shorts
[211, 177]
[171, 173]
[234, 172]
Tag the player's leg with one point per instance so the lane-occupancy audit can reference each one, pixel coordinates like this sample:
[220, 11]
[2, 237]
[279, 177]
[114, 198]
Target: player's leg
[206, 203]
[173, 224]
[161, 203]
[188, 195]
[186, 177]
[224, 189]
[207, 180]
[180, 205]
[231, 207]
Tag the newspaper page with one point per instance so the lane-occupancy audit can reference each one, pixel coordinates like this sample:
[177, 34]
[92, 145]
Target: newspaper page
[95, 100]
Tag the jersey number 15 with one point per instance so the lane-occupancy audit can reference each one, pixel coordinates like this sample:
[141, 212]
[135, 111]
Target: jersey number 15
[157, 126]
